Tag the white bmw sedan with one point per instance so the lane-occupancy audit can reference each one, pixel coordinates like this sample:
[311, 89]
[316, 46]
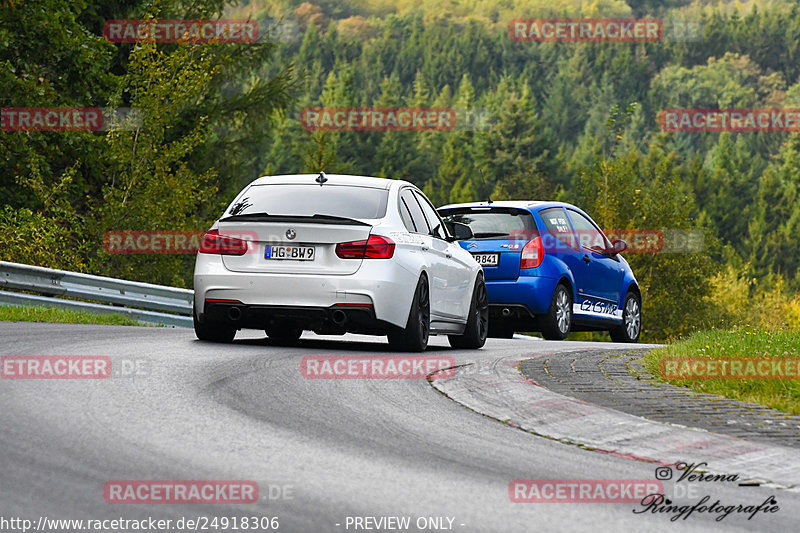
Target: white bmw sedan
[336, 254]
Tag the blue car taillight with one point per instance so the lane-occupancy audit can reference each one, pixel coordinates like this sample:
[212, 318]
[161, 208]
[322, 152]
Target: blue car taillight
[532, 254]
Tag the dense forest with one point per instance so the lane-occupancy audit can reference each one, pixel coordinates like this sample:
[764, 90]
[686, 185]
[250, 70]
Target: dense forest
[571, 121]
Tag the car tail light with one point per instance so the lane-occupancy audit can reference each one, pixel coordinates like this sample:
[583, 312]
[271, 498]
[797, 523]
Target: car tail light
[532, 254]
[214, 243]
[376, 247]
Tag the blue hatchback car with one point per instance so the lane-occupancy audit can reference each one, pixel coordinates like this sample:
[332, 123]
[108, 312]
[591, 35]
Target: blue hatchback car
[548, 268]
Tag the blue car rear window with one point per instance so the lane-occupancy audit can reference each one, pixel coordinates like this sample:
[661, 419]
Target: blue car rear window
[494, 223]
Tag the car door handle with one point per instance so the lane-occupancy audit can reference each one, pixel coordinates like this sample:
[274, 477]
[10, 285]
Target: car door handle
[448, 255]
[586, 258]
[424, 248]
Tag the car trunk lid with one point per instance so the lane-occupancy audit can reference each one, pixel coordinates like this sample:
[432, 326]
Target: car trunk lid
[294, 245]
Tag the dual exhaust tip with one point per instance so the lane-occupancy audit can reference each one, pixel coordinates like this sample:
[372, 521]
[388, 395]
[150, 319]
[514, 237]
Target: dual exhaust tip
[339, 317]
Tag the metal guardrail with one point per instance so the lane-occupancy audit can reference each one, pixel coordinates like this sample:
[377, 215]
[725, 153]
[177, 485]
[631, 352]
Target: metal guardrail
[145, 302]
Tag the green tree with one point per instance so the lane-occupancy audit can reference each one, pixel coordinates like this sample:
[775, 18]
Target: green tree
[397, 153]
[727, 193]
[457, 168]
[151, 186]
[775, 224]
[48, 59]
[517, 147]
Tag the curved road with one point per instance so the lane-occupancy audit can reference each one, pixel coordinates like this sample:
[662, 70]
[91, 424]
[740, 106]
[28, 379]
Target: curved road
[341, 448]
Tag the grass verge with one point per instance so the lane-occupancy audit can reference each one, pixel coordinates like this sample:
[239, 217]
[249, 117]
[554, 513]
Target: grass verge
[774, 346]
[15, 313]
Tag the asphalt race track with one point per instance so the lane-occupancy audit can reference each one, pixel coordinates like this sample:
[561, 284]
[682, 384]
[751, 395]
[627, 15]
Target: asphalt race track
[323, 452]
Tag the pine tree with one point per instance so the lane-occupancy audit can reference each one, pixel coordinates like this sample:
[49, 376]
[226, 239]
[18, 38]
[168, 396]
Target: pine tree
[517, 147]
[727, 196]
[774, 228]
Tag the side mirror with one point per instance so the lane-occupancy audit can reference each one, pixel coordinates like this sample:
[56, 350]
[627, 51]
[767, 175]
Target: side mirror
[459, 231]
[618, 246]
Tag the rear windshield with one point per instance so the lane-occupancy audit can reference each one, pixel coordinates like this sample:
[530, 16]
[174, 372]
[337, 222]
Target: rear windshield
[312, 199]
[494, 223]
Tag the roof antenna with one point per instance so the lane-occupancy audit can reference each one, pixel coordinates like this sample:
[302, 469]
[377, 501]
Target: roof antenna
[321, 178]
[488, 194]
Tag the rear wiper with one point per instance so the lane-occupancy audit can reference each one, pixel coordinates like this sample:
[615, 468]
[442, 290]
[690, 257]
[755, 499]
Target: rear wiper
[266, 217]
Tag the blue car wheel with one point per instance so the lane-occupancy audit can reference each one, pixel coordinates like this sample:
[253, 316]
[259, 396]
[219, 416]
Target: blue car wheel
[558, 320]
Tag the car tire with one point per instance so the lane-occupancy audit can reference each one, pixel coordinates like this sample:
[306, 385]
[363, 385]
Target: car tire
[207, 332]
[631, 326]
[414, 337]
[558, 320]
[474, 335]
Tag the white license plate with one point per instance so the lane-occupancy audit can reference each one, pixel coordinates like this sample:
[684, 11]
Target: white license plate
[487, 259]
[293, 253]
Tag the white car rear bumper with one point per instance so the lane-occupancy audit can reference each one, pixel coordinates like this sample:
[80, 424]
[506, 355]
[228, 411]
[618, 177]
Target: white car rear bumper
[382, 283]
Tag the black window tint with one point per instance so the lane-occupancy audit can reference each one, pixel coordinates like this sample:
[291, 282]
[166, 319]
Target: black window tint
[557, 224]
[417, 217]
[588, 235]
[430, 215]
[307, 200]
